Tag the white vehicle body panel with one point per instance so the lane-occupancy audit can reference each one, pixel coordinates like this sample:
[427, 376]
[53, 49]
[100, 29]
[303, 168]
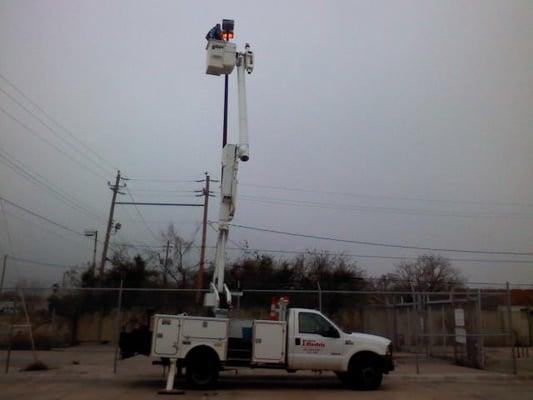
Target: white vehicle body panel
[175, 335]
[166, 334]
[291, 344]
[268, 341]
[313, 351]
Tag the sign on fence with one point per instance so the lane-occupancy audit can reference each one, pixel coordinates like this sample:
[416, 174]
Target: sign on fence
[7, 307]
[460, 331]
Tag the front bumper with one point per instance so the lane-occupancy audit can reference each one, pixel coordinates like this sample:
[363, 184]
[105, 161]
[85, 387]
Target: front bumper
[387, 363]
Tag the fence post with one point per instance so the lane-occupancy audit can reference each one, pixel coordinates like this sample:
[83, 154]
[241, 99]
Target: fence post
[28, 323]
[2, 277]
[395, 323]
[117, 327]
[417, 327]
[510, 322]
[454, 338]
[445, 332]
[319, 296]
[480, 342]
[10, 343]
[429, 318]
[408, 340]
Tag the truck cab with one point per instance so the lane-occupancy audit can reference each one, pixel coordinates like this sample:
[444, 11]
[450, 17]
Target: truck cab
[316, 343]
[302, 339]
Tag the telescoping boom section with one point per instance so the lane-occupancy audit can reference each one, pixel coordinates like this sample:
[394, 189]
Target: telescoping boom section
[222, 58]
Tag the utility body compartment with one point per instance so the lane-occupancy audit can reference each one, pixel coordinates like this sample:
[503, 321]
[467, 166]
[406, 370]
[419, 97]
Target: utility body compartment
[175, 335]
[269, 342]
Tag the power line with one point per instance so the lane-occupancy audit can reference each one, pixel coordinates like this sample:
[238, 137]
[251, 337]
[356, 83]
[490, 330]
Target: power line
[245, 249]
[367, 243]
[154, 236]
[229, 239]
[40, 216]
[121, 233]
[56, 134]
[163, 180]
[162, 190]
[391, 210]
[37, 179]
[39, 108]
[44, 228]
[26, 260]
[140, 203]
[141, 246]
[350, 255]
[58, 149]
[370, 196]
[154, 221]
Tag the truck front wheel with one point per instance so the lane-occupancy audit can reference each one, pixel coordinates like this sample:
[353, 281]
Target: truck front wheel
[368, 377]
[202, 370]
[363, 373]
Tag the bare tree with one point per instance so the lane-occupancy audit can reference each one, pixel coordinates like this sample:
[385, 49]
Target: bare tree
[176, 266]
[428, 273]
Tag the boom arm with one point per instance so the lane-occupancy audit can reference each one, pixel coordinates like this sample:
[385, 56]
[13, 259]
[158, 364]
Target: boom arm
[219, 297]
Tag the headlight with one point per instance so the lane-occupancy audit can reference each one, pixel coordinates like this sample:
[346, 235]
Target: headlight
[389, 350]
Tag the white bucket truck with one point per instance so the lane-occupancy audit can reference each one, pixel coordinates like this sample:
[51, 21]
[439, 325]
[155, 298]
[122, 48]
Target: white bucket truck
[306, 340]
[301, 339]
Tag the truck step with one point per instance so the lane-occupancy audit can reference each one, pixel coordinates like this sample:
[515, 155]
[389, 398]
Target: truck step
[238, 362]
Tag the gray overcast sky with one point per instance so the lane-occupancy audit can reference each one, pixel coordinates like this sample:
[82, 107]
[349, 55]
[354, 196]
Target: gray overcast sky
[402, 101]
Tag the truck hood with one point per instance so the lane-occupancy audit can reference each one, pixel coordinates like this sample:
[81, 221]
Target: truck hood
[366, 338]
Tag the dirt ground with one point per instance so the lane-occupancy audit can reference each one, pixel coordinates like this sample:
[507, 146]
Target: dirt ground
[87, 373]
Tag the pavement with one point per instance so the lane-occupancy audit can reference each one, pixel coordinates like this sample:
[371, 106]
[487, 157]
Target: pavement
[87, 373]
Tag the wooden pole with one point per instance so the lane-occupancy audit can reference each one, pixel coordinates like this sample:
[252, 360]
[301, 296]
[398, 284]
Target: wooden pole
[201, 267]
[25, 309]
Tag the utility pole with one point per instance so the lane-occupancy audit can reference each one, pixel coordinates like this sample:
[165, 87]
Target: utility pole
[94, 251]
[115, 189]
[4, 266]
[165, 266]
[94, 233]
[206, 193]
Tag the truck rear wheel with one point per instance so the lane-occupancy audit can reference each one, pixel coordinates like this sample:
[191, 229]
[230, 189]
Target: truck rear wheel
[202, 370]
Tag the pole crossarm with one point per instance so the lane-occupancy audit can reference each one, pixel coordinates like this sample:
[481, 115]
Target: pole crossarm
[159, 204]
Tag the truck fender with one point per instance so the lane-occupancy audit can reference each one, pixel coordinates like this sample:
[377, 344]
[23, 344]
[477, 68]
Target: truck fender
[366, 353]
[202, 348]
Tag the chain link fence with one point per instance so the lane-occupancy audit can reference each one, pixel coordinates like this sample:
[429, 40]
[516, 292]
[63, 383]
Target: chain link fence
[478, 328]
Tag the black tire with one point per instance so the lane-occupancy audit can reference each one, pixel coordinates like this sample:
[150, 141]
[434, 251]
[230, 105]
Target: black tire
[202, 371]
[366, 375]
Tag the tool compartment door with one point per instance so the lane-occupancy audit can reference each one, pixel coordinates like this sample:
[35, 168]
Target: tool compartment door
[196, 331]
[165, 336]
[269, 339]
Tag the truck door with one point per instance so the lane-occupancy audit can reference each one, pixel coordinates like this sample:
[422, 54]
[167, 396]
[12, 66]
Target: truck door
[315, 344]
